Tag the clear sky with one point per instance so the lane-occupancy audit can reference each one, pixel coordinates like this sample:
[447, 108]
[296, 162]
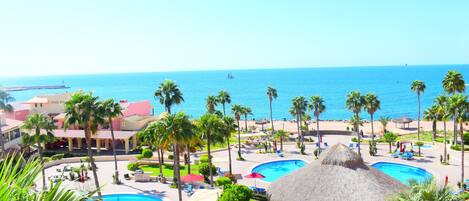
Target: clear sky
[89, 36]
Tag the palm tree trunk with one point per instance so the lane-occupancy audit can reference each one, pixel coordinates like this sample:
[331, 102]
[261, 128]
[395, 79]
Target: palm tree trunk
[462, 154]
[298, 128]
[455, 130]
[161, 163]
[434, 130]
[281, 143]
[358, 133]
[229, 156]
[188, 159]
[418, 120]
[177, 172]
[444, 143]
[162, 156]
[239, 141]
[116, 174]
[301, 131]
[93, 164]
[224, 110]
[39, 149]
[209, 160]
[372, 130]
[318, 134]
[272, 124]
[246, 122]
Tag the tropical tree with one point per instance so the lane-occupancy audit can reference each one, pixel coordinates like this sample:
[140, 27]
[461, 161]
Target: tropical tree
[112, 110]
[317, 106]
[418, 87]
[453, 83]
[390, 138]
[238, 111]
[169, 94]
[444, 113]
[193, 141]
[272, 94]
[211, 103]
[281, 135]
[224, 97]
[459, 106]
[176, 128]
[372, 104]
[384, 122]
[298, 109]
[246, 111]
[426, 190]
[40, 128]
[212, 130]
[432, 114]
[229, 127]
[355, 103]
[151, 137]
[5, 98]
[85, 111]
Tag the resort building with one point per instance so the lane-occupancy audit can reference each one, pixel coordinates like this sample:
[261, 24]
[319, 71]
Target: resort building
[50, 104]
[11, 132]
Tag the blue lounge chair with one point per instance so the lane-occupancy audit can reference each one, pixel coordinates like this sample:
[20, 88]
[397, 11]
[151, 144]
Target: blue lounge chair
[279, 153]
[396, 154]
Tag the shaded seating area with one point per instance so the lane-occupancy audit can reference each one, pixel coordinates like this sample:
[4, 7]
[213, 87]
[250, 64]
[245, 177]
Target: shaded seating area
[402, 122]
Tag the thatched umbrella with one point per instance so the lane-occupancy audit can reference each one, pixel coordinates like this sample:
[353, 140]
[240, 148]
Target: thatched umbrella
[403, 121]
[339, 174]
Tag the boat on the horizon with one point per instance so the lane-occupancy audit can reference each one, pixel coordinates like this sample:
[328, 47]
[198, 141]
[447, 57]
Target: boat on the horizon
[230, 76]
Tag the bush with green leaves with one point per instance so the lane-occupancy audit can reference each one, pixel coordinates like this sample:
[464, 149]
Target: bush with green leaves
[205, 170]
[223, 181]
[132, 166]
[457, 147]
[204, 158]
[426, 190]
[57, 157]
[147, 153]
[170, 157]
[236, 193]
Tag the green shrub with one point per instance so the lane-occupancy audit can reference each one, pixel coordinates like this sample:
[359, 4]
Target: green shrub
[170, 157]
[139, 156]
[466, 138]
[204, 169]
[57, 157]
[204, 158]
[236, 193]
[354, 139]
[457, 147]
[46, 159]
[147, 153]
[132, 166]
[223, 181]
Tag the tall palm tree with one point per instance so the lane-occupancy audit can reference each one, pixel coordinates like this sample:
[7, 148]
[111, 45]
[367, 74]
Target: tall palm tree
[384, 122]
[280, 135]
[176, 128]
[238, 111]
[432, 114]
[212, 129]
[112, 110]
[151, 137]
[5, 98]
[372, 104]
[453, 83]
[458, 104]
[318, 107]
[298, 109]
[418, 87]
[355, 103]
[168, 93]
[211, 104]
[40, 128]
[83, 109]
[272, 94]
[224, 97]
[444, 113]
[246, 111]
[229, 127]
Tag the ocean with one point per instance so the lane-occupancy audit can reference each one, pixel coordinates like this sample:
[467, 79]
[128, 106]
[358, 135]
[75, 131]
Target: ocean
[391, 84]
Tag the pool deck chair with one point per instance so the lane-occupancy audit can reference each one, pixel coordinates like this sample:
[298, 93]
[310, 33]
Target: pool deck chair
[279, 153]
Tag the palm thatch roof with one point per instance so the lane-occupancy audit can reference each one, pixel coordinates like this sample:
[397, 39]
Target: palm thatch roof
[339, 174]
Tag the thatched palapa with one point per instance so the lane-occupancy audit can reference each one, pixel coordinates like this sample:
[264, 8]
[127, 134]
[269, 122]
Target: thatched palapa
[339, 174]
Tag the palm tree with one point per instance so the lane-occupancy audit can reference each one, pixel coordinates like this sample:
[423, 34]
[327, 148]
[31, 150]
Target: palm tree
[426, 190]
[372, 104]
[246, 111]
[384, 122]
[298, 109]
[229, 127]
[176, 128]
[112, 110]
[390, 138]
[453, 83]
[83, 109]
[280, 135]
[418, 87]
[355, 103]
[40, 128]
[272, 94]
[224, 97]
[238, 111]
[459, 106]
[168, 93]
[212, 129]
[211, 104]
[150, 136]
[318, 107]
[5, 98]
[444, 113]
[431, 114]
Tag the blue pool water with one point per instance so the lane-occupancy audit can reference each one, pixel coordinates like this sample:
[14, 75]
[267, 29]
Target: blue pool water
[129, 197]
[426, 147]
[402, 172]
[276, 169]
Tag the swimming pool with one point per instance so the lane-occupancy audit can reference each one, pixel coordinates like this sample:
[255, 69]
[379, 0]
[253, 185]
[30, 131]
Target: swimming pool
[426, 146]
[129, 197]
[402, 172]
[276, 169]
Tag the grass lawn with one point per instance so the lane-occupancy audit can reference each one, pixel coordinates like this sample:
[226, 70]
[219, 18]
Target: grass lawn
[168, 169]
[426, 136]
[233, 140]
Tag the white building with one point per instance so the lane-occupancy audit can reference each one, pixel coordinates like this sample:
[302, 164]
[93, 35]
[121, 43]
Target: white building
[49, 104]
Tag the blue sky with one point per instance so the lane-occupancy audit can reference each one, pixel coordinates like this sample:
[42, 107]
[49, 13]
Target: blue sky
[88, 36]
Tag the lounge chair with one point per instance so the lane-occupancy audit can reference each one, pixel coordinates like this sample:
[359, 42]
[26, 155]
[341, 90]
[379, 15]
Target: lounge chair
[396, 154]
[279, 153]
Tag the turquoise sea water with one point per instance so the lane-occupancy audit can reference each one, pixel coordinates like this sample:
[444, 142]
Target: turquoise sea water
[391, 84]
[276, 169]
[128, 197]
[402, 172]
